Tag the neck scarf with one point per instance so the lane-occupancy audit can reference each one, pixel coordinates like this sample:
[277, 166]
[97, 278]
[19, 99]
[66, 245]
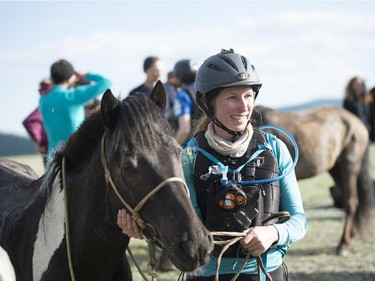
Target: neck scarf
[227, 148]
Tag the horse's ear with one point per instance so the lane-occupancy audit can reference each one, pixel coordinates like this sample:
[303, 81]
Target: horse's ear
[108, 103]
[158, 95]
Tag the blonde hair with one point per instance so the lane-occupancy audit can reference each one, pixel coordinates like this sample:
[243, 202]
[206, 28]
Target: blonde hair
[201, 124]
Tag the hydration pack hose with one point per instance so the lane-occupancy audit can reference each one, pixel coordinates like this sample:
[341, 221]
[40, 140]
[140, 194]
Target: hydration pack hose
[296, 154]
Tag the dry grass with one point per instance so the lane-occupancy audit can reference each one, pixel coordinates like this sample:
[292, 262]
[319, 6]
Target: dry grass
[310, 259]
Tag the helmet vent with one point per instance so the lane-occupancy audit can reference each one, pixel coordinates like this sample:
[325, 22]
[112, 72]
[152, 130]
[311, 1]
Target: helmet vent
[244, 62]
[230, 62]
[214, 67]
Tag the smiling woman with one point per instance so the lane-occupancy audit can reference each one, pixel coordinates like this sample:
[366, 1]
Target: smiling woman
[225, 154]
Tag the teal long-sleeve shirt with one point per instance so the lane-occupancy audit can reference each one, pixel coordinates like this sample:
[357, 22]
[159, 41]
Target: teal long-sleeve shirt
[63, 111]
[290, 200]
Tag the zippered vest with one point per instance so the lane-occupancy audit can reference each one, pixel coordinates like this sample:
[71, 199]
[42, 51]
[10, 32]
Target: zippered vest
[232, 206]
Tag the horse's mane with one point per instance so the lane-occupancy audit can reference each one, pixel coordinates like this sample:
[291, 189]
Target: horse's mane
[137, 121]
[143, 122]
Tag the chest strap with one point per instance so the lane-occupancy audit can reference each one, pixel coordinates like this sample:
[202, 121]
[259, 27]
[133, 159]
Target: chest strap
[225, 169]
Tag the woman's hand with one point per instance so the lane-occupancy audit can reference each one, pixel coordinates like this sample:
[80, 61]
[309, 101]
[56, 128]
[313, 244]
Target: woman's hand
[128, 226]
[259, 239]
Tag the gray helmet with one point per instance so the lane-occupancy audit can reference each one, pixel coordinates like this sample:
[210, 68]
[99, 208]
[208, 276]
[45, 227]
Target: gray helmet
[185, 70]
[223, 70]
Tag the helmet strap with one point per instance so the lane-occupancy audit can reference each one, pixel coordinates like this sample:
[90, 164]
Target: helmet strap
[229, 131]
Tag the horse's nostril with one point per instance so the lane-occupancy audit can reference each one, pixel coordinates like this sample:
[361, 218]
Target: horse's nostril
[188, 248]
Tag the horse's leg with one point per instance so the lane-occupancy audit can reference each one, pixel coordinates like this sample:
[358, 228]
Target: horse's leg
[349, 166]
[337, 189]
[344, 181]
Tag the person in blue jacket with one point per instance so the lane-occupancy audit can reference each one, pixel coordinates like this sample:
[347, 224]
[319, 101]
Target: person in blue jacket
[241, 179]
[185, 107]
[62, 108]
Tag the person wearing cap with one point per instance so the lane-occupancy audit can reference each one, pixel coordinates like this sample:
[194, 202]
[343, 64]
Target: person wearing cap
[241, 179]
[184, 107]
[62, 108]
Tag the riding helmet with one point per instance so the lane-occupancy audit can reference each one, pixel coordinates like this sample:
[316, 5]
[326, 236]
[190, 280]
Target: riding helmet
[225, 69]
[185, 70]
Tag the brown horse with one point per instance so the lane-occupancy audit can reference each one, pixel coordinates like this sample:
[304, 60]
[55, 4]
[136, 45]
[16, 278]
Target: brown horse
[331, 139]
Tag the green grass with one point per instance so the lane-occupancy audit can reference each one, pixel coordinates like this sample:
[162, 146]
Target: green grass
[311, 259]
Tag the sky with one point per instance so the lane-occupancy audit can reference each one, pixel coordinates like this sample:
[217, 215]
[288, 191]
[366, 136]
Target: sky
[302, 50]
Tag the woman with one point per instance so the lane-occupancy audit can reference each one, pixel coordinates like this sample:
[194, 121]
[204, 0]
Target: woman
[359, 102]
[222, 166]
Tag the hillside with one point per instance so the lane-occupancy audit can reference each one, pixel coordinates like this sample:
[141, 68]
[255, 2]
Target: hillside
[18, 145]
[15, 145]
[312, 104]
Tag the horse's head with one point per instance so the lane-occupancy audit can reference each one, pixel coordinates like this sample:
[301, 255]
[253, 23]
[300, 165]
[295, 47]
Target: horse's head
[141, 155]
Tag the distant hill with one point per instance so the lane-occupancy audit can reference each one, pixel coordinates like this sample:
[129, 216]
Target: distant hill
[15, 145]
[312, 104]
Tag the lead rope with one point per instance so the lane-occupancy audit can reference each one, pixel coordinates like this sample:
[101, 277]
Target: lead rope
[282, 216]
[237, 237]
[66, 220]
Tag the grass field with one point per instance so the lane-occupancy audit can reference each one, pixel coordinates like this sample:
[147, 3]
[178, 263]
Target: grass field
[311, 259]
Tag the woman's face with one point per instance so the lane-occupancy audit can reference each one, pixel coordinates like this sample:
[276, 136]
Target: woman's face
[358, 86]
[233, 108]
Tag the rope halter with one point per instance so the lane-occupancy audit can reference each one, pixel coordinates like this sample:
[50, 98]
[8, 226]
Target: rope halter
[135, 212]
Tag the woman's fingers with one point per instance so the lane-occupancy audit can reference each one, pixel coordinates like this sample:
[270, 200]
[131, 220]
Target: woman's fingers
[128, 226]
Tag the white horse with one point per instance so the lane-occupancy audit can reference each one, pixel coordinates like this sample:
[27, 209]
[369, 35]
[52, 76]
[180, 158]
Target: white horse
[6, 268]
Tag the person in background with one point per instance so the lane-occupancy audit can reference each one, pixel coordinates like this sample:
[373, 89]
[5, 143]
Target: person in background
[359, 101]
[185, 108]
[153, 68]
[62, 108]
[172, 79]
[34, 125]
[241, 179]
[171, 90]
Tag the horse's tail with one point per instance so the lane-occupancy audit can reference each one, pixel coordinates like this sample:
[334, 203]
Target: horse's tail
[365, 189]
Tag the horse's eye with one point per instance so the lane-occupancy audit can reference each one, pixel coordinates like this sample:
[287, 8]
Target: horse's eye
[129, 163]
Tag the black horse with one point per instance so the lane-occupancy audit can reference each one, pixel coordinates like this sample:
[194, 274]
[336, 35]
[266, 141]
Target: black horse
[63, 225]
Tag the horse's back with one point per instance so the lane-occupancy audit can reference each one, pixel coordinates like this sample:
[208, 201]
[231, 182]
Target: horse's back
[12, 172]
[322, 134]
[18, 185]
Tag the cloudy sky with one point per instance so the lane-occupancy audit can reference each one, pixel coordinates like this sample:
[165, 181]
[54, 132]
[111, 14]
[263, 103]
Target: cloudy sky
[303, 50]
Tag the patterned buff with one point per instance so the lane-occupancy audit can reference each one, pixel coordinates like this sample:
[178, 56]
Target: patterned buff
[227, 148]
